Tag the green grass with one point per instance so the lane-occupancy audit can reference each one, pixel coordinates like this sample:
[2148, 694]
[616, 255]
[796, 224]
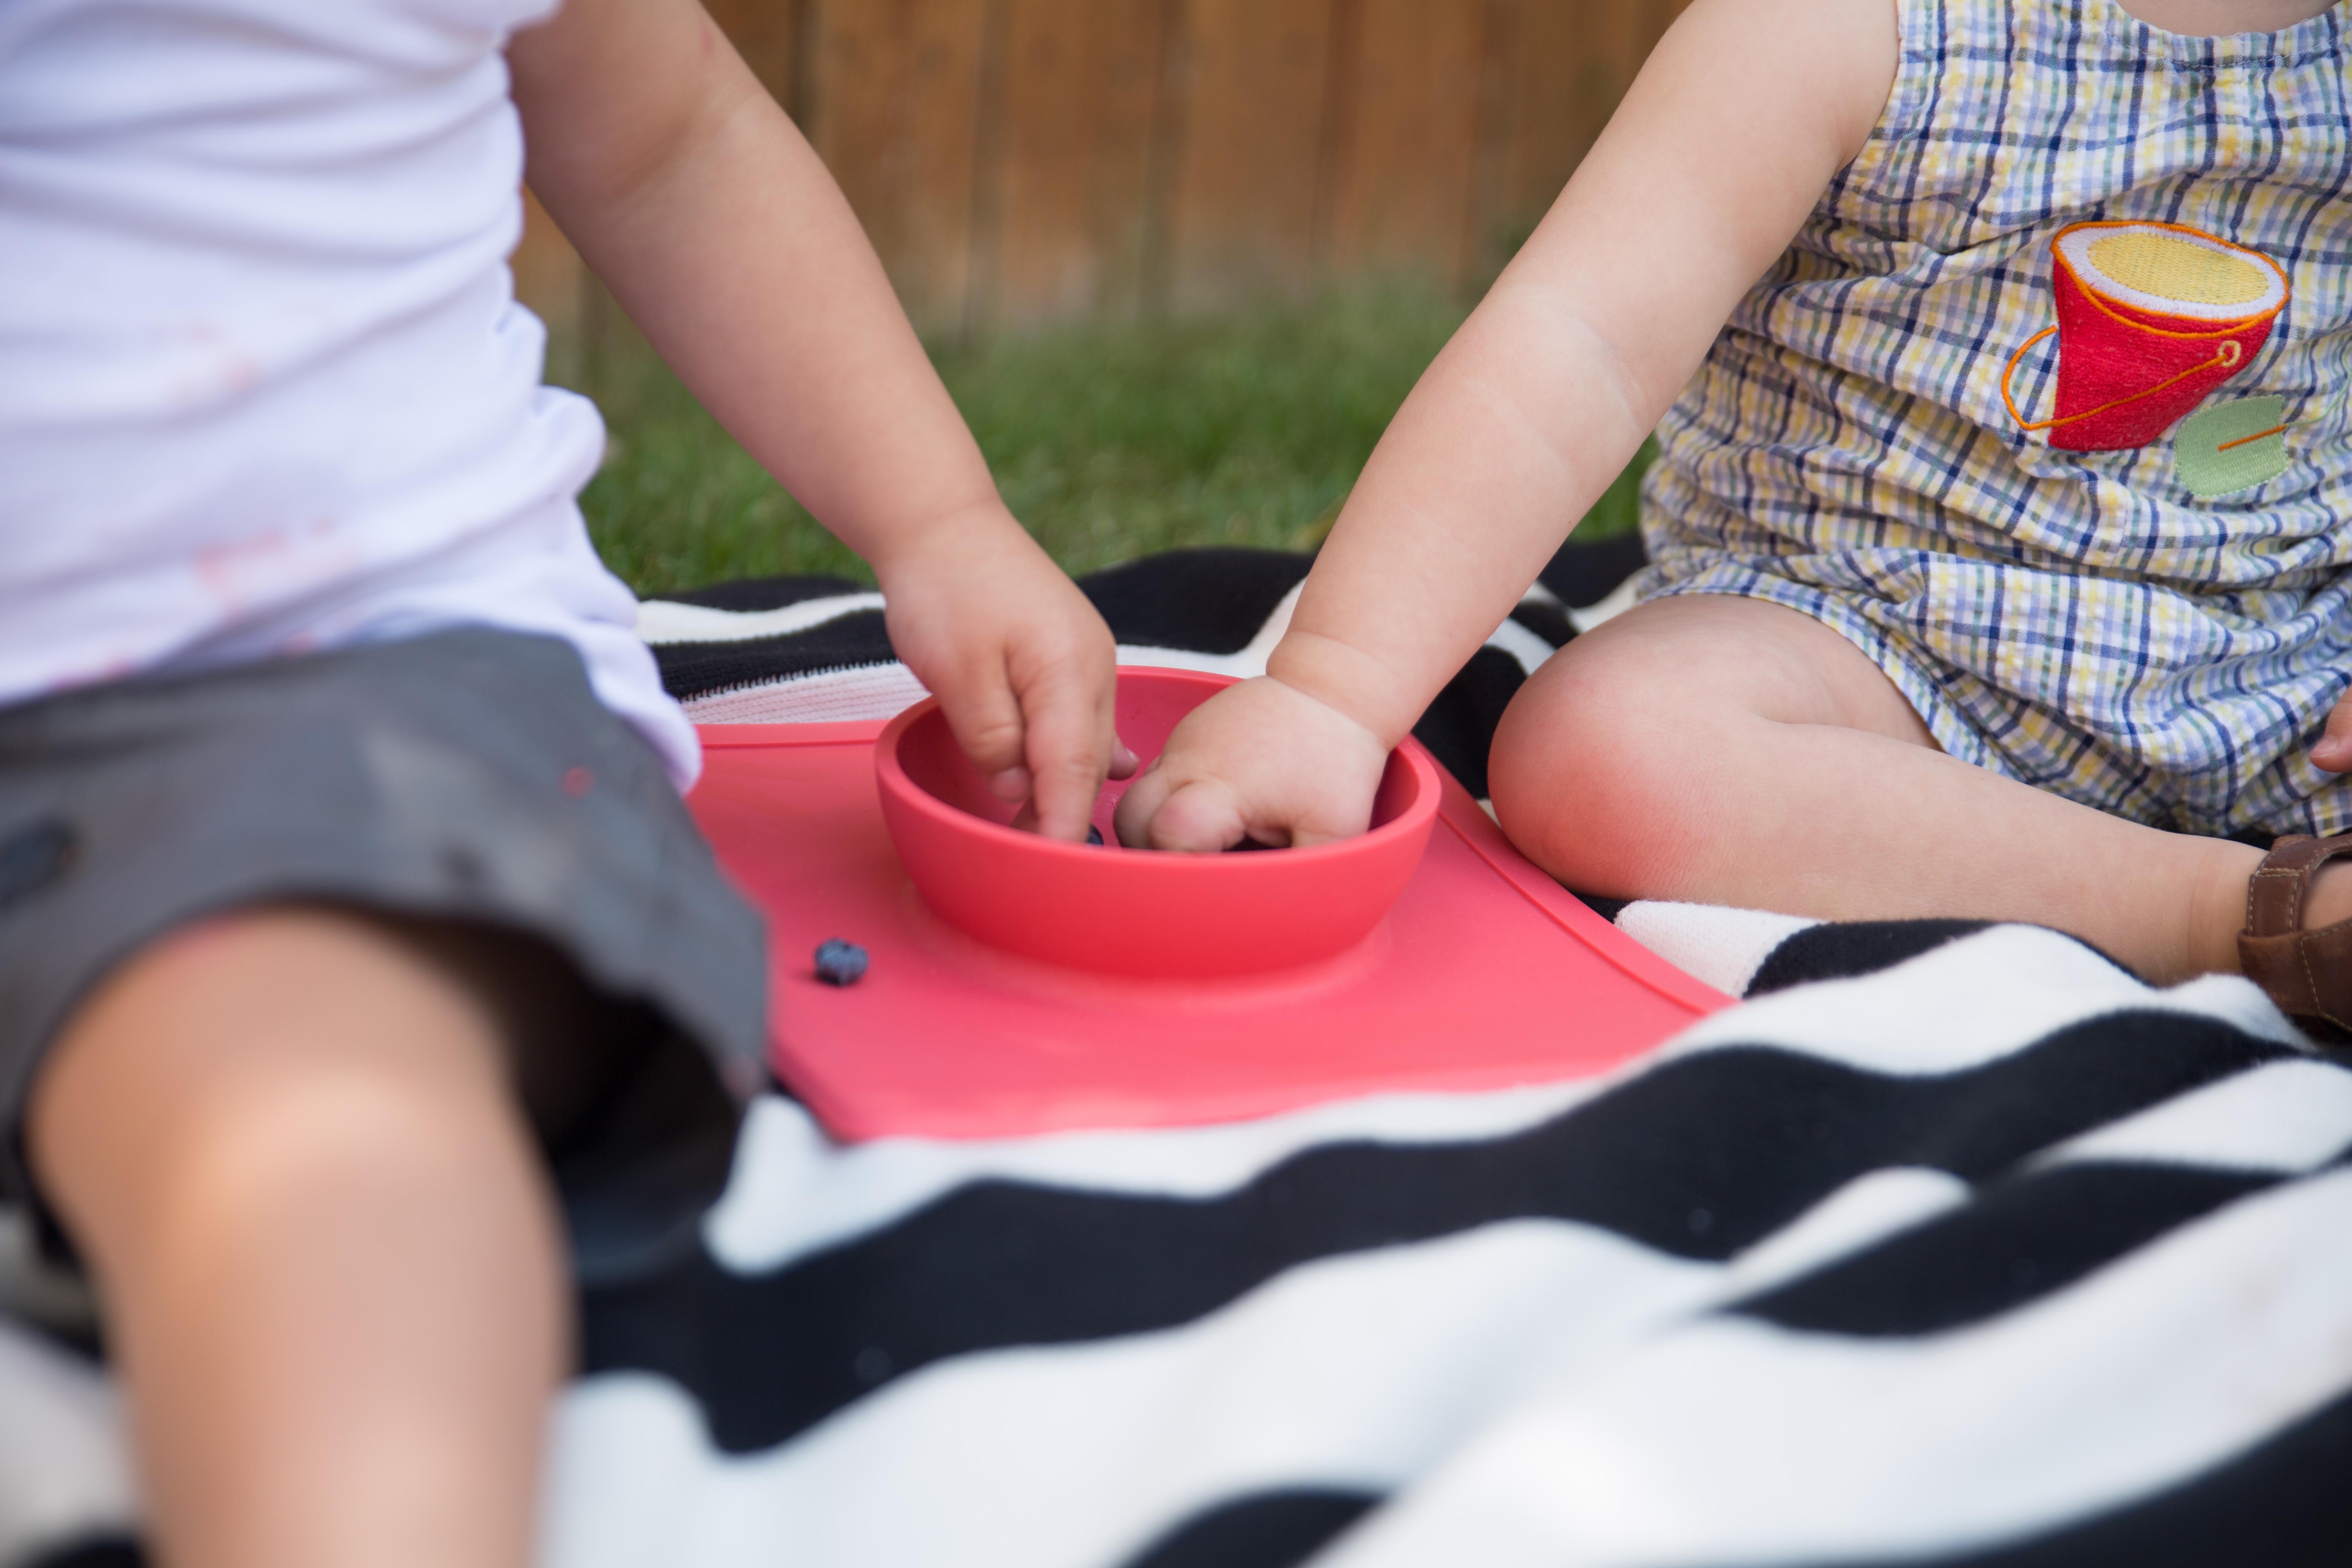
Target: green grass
[1109, 442]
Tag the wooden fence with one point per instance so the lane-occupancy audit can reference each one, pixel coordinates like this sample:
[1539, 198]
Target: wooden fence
[1026, 160]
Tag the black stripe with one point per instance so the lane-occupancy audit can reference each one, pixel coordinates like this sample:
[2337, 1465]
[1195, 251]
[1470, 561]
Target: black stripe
[1844, 949]
[1204, 601]
[107, 1551]
[1549, 622]
[695, 668]
[1583, 573]
[2017, 1241]
[1271, 1530]
[2286, 1503]
[1698, 1158]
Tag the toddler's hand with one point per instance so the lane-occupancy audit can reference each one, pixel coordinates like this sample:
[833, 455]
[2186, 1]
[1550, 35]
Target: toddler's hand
[1261, 761]
[2334, 751]
[1022, 665]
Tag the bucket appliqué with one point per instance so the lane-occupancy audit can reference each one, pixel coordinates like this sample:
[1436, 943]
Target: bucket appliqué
[2152, 317]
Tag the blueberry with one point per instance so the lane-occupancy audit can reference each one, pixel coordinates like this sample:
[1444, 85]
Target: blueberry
[1094, 835]
[1248, 843]
[840, 962]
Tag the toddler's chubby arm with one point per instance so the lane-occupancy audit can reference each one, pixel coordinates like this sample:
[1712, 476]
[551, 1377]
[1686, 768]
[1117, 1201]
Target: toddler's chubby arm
[701, 205]
[1743, 115]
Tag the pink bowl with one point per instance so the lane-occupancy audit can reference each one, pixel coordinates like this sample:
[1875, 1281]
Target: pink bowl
[1134, 913]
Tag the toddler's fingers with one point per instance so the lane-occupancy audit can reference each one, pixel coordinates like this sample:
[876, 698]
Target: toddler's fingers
[1068, 743]
[986, 716]
[2334, 751]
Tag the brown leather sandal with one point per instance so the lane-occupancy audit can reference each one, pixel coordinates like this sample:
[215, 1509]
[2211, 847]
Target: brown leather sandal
[2307, 972]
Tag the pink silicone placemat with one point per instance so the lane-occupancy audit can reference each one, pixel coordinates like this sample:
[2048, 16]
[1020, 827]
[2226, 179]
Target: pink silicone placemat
[1486, 975]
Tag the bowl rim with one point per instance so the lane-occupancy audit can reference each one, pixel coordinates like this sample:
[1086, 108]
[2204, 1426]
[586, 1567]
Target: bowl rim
[893, 783]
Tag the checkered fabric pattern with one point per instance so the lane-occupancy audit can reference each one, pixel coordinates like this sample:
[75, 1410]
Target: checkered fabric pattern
[2077, 620]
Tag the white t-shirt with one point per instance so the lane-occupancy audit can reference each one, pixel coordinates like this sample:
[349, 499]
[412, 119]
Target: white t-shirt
[264, 388]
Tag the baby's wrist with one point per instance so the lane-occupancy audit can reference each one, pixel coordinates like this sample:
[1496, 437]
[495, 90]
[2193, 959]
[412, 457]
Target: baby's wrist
[1334, 676]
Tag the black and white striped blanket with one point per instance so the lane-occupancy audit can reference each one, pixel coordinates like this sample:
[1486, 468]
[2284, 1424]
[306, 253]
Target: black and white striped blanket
[1956, 1245]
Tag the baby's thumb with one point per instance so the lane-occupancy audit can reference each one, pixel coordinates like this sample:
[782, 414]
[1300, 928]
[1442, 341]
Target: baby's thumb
[2334, 751]
[1201, 818]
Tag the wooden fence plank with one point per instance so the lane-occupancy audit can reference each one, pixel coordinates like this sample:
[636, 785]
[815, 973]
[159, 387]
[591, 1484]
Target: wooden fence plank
[766, 33]
[895, 95]
[1254, 74]
[1080, 90]
[1652, 18]
[1564, 66]
[1398, 182]
[1025, 161]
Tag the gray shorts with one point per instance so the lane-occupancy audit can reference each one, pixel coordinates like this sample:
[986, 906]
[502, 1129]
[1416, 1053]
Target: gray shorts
[465, 782]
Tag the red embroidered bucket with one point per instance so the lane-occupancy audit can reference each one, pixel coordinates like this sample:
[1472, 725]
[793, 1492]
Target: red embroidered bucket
[2152, 317]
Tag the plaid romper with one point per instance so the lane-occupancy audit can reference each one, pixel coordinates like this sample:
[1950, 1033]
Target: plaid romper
[2045, 409]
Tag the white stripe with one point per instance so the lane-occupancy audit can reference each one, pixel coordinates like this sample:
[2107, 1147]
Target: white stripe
[2291, 1116]
[1713, 942]
[1732, 1441]
[663, 621]
[1970, 1002]
[794, 1191]
[65, 1473]
[1358, 1371]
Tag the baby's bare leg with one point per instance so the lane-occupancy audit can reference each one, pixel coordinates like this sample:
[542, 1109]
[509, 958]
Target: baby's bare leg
[286, 1145]
[1730, 751]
